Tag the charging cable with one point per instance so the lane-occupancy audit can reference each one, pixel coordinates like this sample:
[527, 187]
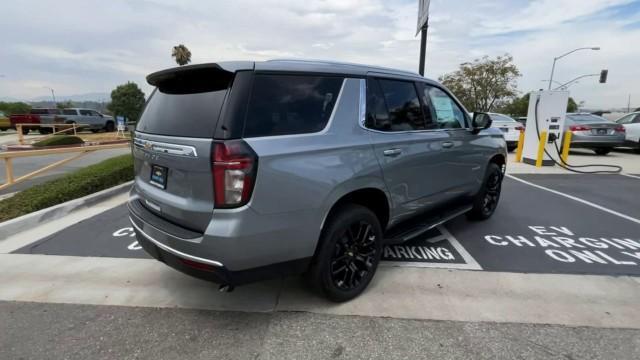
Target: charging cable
[563, 164]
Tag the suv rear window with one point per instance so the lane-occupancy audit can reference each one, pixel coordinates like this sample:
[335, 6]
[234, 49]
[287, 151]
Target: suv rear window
[186, 104]
[290, 104]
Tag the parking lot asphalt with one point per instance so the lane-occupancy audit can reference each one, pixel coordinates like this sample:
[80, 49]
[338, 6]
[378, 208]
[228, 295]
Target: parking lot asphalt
[545, 224]
[59, 331]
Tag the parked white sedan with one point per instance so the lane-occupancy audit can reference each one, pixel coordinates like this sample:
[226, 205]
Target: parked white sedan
[510, 128]
[631, 123]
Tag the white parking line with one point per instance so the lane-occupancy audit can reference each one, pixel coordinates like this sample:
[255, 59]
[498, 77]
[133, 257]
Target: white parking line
[599, 207]
[470, 262]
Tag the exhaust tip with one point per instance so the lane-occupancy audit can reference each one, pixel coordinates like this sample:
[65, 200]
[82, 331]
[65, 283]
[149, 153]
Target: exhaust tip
[226, 288]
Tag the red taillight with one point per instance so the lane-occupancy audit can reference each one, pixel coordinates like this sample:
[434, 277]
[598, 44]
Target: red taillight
[197, 265]
[579, 128]
[519, 128]
[234, 169]
[620, 128]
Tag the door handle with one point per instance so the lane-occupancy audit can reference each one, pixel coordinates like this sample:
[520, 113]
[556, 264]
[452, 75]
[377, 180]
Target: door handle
[392, 152]
[447, 144]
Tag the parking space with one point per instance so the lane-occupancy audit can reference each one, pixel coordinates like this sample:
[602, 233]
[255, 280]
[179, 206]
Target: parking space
[569, 224]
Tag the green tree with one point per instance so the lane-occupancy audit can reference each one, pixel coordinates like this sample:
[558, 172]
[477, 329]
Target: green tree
[484, 83]
[519, 106]
[127, 100]
[572, 106]
[65, 104]
[10, 108]
[181, 54]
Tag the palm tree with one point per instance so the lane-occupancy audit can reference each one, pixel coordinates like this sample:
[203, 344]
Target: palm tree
[182, 54]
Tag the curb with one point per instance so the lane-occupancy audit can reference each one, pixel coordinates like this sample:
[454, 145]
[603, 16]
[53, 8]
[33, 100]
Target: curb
[13, 226]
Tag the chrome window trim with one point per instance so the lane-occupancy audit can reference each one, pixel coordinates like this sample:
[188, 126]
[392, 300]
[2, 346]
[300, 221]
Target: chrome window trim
[363, 113]
[165, 148]
[174, 251]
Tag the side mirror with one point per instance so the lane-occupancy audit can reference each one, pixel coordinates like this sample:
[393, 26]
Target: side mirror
[480, 122]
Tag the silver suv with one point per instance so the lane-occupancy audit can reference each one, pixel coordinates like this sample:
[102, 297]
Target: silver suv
[251, 170]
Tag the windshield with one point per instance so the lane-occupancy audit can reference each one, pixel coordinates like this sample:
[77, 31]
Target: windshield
[501, 118]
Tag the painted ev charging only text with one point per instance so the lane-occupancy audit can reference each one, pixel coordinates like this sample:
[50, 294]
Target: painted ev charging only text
[128, 231]
[564, 245]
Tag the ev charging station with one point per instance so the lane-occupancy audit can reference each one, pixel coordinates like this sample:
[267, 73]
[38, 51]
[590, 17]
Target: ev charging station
[544, 127]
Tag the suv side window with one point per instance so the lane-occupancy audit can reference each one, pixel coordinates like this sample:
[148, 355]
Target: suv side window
[448, 113]
[290, 104]
[94, 113]
[403, 106]
[69, 112]
[637, 119]
[85, 112]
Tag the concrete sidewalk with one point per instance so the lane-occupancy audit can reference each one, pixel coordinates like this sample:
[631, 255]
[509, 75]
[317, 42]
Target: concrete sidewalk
[627, 159]
[52, 331]
[396, 292]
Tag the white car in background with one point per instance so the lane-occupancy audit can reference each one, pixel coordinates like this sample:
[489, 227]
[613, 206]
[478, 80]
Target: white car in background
[510, 128]
[631, 123]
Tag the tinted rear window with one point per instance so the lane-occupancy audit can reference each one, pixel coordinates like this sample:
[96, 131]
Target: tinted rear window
[186, 104]
[290, 104]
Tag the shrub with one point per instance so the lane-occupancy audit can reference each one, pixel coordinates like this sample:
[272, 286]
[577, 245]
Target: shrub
[88, 180]
[59, 140]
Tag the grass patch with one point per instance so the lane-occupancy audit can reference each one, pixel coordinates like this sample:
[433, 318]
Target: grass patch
[91, 179]
[58, 140]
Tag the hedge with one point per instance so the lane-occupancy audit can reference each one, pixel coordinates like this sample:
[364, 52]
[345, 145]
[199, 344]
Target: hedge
[58, 140]
[82, 182]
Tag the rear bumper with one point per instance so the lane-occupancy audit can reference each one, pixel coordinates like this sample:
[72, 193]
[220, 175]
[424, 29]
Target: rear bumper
[586, 141]
[192, 253]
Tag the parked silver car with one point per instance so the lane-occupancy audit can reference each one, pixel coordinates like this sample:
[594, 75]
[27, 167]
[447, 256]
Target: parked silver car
[94, 120]
[594, 132]
[250, 170]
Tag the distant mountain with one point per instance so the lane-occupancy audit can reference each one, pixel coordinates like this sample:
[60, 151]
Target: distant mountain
[96, 96]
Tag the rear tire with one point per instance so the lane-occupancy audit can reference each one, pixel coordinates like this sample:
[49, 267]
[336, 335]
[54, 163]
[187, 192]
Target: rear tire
[348, 253]
[602, 151]
[109, 127]
[486, 200]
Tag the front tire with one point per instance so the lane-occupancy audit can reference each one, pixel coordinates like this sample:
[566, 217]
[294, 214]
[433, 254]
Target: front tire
[348, 254]
[486, 200]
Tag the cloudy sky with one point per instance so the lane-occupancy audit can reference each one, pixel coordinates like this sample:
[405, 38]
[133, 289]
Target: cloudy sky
[90, 46]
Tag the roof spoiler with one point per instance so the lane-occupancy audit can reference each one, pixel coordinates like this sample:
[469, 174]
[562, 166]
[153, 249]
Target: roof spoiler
[229, 68]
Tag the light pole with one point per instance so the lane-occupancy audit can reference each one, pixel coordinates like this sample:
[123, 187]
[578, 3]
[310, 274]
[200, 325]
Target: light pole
[555, 82]
[565, 54]
[53, 94]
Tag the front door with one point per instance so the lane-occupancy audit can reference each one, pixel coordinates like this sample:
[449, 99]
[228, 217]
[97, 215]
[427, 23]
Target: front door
[465, 155]
[409, 153]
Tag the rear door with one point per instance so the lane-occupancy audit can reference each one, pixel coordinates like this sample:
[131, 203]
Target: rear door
[173, 145]
[409, 154]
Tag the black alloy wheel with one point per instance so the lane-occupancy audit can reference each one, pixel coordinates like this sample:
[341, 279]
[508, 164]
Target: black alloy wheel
[486, 200]
[348, 253]
[353, 256]
[492, 192]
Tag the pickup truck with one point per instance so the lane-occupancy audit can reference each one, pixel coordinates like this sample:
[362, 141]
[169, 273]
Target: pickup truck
[94, 120]
[37, 116]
